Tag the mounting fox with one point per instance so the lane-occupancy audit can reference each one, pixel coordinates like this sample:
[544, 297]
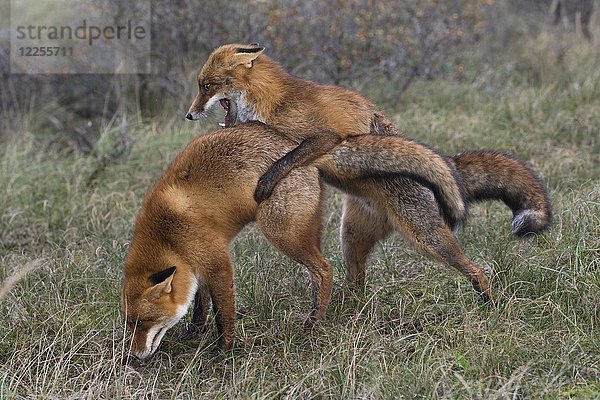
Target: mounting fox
[251, 86]
[179, 250]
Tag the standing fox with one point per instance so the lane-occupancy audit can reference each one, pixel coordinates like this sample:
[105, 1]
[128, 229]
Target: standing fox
[251, 86]
[180, 246]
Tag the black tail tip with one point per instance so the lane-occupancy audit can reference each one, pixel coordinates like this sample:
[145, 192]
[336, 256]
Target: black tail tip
[530, 221]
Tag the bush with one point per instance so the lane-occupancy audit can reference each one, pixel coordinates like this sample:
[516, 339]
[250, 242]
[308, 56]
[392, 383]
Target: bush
[352, 43]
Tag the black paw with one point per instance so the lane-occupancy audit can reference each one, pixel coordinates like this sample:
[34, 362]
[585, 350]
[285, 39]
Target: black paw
[264, 188]
[193, 332]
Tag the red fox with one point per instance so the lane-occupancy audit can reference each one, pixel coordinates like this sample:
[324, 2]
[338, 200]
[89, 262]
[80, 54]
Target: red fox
[251, 86]
[180, 246]
[318, 129]
[179, 252]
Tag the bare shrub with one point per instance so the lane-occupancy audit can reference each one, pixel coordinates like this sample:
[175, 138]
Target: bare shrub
[356, 43]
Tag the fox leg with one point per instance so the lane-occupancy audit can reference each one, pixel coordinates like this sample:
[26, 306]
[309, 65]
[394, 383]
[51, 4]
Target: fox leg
[441, 244]
[321, 274]
[292, 221]
[413, 212]
[220, 285]
[200, 312]
[304, 247]
[362, 227]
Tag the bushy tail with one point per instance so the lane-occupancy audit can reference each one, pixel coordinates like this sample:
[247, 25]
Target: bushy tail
[489, 175]
[369, 156]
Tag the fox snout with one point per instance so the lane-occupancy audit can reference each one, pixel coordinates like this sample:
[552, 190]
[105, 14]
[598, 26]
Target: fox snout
[147, 335]
[145, 342]
[195, 110]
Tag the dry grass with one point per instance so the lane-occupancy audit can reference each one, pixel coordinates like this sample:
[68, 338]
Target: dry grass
[416, 330]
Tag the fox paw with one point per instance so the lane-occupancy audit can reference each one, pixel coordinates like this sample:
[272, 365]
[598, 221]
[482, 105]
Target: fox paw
[225, 342]
[193, 332]
[264, 188]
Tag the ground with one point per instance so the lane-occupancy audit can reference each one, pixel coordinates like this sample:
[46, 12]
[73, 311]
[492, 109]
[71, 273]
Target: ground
[415, 330]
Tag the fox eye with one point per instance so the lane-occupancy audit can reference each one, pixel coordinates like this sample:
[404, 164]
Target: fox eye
[206, 87]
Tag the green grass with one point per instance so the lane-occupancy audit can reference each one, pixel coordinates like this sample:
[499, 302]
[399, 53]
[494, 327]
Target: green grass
[416, 330]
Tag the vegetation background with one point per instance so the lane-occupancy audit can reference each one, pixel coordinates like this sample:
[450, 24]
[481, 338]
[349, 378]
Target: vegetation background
[78, 152]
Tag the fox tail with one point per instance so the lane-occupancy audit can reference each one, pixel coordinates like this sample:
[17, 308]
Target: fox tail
[489, 175]
[374, 156]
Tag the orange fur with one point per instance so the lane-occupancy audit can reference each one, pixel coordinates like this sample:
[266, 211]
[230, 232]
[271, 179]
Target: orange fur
[180, 245]
[318, 118]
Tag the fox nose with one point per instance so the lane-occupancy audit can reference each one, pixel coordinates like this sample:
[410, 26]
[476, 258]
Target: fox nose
[189, 116]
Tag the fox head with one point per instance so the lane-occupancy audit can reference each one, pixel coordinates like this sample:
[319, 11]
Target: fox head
[222, 80]
[153, 304]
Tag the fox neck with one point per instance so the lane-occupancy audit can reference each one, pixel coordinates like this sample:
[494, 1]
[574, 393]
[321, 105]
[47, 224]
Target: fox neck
[265, 88]
[246, 110]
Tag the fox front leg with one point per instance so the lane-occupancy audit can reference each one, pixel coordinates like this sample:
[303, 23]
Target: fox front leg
[202, 302]
[309, 150]
[222, 294]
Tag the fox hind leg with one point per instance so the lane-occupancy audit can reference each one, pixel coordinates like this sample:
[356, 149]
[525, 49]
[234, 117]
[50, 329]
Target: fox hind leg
[304, 247]
[362, 227]
[414, 213]
[292, 220]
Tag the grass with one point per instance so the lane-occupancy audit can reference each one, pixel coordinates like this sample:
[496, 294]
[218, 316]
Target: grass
[416, 330]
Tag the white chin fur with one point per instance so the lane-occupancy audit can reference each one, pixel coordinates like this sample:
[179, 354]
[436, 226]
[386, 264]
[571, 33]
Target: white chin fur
[214, 100]
[245, 110]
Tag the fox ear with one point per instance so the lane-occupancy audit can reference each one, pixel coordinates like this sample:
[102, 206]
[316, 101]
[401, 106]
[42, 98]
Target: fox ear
[162, 281]
[246, 55]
